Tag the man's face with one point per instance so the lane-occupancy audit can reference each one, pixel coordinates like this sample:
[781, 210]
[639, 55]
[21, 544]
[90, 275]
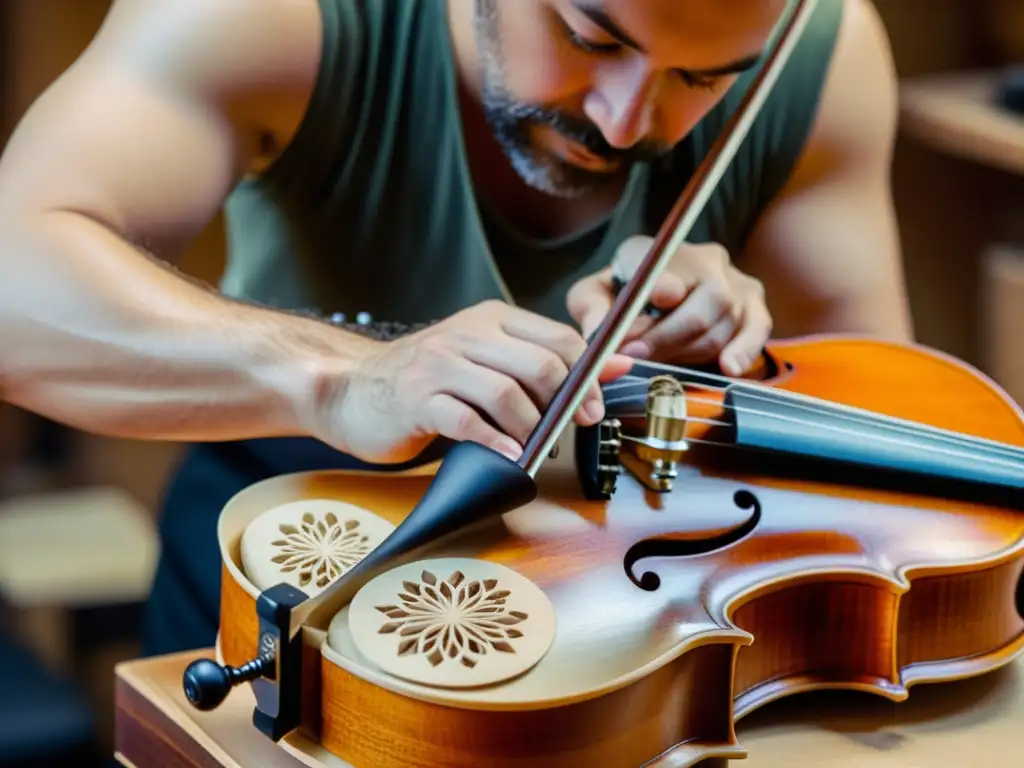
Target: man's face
[576, 90]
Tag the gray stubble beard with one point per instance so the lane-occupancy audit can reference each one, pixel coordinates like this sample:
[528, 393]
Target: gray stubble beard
[510, 119]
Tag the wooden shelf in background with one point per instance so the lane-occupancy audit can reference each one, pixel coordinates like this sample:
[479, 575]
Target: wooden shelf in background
[958, 114]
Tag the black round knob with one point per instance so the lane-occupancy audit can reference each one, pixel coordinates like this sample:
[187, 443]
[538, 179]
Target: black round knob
[206, 684]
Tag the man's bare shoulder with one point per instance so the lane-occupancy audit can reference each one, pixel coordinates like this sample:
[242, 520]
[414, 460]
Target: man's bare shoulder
[258, 59]
[169, 105]
[858, 112]
[827, 248]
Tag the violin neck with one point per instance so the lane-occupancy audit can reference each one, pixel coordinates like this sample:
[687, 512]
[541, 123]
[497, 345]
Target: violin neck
[783, 422]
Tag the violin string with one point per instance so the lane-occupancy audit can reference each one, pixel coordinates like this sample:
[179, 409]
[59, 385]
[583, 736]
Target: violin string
[823, 406]
[808, 403]
[768, 414]
[1012, 456]
[689, 420]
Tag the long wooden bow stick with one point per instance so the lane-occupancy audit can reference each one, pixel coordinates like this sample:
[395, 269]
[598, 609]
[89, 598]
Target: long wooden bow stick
[676, 228]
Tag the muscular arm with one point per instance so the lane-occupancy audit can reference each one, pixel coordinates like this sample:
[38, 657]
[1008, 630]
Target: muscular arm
[827, 249]
[131, 152]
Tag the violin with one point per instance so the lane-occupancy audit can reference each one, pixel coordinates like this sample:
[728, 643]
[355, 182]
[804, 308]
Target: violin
[846, 516]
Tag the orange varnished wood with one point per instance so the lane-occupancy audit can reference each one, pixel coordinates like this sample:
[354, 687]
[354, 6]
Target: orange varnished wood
[908, 382]
[617, 729]
[238, 621]
[838, 587]
[239, 638]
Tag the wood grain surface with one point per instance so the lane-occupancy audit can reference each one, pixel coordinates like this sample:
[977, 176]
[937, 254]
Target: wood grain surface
[973, 722]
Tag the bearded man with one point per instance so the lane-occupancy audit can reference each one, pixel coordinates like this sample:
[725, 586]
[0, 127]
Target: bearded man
[476, 166]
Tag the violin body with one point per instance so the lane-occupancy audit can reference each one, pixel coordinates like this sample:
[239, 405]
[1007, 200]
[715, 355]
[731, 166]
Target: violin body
[674, 614]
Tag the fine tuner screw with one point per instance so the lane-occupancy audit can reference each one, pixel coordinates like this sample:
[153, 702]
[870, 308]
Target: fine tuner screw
[208, 683]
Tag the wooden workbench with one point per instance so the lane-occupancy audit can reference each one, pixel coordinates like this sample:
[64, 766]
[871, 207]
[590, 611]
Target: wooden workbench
[957, 113]
[975, 722]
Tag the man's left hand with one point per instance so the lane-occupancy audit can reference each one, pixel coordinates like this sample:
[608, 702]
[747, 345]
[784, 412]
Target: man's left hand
[710, 310]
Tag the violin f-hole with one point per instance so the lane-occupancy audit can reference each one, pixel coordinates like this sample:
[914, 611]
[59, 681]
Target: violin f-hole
[1019, 594]
[666, 546]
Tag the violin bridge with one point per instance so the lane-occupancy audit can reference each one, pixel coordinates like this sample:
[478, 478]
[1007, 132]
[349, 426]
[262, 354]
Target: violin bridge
[609, 454]
[653, 458]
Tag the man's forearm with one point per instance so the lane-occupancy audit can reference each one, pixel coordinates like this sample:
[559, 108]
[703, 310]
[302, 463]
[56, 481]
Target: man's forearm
[98, 336]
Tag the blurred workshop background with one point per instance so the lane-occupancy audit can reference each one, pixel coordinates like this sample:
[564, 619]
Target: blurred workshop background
[77, 544]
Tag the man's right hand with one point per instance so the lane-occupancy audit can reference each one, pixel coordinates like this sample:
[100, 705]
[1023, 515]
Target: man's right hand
[484, 374]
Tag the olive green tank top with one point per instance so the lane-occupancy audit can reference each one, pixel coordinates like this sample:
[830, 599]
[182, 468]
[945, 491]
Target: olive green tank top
[371, 207]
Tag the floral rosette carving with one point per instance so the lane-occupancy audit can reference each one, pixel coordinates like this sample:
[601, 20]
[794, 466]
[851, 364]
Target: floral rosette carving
[452, 620]
[320, 550]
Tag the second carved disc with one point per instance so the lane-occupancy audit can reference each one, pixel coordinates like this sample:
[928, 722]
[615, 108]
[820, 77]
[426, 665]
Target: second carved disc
[452, 623]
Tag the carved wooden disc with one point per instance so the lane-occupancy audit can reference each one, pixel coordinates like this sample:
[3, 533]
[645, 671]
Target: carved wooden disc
[452, 623]
[309, 543]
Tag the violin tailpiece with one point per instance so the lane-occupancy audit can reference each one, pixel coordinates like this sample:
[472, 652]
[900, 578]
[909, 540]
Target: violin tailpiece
[473, 486]
[449, 623]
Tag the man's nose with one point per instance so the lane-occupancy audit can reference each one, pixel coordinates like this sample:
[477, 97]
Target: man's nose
[626, 105]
